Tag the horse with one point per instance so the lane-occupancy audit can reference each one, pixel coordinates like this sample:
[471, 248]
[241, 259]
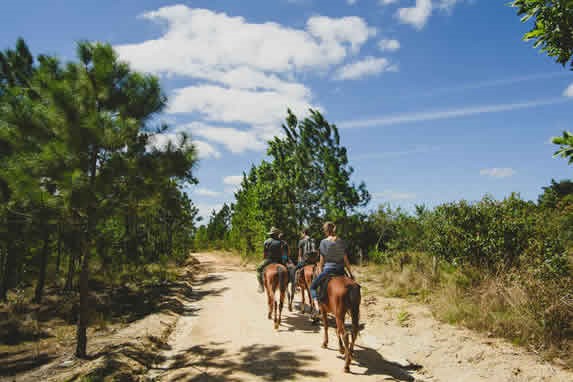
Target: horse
[343, 296]
[275, 275]
[304, 278]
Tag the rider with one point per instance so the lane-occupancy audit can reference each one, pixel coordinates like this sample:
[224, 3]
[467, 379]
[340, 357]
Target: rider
[307, 252]
[333, 259]
[275, 251]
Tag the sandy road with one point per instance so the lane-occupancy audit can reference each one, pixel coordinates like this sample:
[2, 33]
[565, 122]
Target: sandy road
[225, 336]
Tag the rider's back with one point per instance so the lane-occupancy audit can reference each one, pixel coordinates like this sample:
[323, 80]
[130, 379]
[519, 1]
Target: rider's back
[274, 249]
[333, 250]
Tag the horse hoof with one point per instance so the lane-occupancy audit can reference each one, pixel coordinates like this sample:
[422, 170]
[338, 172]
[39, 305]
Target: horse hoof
[346, 369]
[324, 345]
[276, 326]
[341, 351]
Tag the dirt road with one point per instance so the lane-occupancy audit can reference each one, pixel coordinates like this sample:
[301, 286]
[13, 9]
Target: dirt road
[225, 336]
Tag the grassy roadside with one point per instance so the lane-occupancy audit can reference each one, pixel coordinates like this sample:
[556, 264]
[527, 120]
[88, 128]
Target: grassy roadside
[536, 314]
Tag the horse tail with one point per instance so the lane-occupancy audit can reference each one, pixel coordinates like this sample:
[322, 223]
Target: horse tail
[283, 278]
[352, 302]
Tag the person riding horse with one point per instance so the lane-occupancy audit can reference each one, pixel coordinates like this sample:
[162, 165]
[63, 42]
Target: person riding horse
[275, 251]
[307, 253]
[333, 260]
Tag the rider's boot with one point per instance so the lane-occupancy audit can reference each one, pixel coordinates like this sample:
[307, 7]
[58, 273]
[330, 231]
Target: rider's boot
[315, 311]
[261, 289]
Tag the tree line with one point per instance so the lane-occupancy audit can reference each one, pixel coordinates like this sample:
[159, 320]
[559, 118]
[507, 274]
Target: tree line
[81, 182]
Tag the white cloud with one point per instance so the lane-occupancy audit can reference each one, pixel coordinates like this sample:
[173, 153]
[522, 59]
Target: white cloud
[351, 2]
[497, 172]
[394, 195]
[248, 70]
[417, 15]
[200, 38]
[447, 114]
[205, 150]
[367, 66]
[217, 103]
[569, 91]
[233, 180]
[235, 140]
[387, 2]
[207, 192]
[389, 45]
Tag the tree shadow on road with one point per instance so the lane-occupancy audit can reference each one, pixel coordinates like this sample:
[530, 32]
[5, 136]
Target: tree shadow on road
[212, 362]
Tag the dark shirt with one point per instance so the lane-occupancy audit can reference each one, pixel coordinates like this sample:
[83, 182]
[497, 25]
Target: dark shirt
[275, 249]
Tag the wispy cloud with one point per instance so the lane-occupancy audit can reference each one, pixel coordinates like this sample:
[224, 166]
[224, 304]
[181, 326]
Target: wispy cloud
[233, 180]
[569, 91]
[448, 114]
[389, 45]
[497, 172]
[419, 149]
[365, 67]
[487, 84]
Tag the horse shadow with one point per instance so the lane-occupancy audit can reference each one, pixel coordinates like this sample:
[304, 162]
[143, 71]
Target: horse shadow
[375, 364]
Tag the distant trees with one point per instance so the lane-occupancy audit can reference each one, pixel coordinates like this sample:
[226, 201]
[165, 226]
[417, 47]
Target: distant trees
[79, 175]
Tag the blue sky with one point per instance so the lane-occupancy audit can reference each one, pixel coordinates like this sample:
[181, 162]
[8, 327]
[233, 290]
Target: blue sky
[436, 100]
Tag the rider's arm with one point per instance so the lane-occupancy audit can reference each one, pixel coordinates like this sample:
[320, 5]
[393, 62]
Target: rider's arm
[299, 254]
[321, 262]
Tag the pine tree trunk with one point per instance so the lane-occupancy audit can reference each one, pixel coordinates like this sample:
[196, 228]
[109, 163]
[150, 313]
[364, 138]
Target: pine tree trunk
[42, 276]
[4, 273]
[81, 333]
[59, 258]
[71, 271]
[86, 243]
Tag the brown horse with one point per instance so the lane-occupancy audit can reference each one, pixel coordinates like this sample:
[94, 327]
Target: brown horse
[343, 297]
[275, 275]
[304, 278]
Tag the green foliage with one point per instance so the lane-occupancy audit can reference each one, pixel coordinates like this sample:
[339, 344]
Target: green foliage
[306, 180]
[566, 146]
[552, 30]
[80, 180]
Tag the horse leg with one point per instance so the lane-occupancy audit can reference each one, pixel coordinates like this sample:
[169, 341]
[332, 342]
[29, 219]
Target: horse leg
[342, 334]
[309, 297]
[302, 289]
[325, 324]
[276, 318]
[281, 300]
[269, 301]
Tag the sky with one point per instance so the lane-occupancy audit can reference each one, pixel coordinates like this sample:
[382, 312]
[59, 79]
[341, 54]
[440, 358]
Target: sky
[436, 100]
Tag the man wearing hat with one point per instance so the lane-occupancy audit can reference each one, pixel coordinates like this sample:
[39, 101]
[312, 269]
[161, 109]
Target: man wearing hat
[275, 251]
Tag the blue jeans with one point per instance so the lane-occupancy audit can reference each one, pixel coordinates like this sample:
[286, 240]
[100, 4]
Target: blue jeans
[329, 269]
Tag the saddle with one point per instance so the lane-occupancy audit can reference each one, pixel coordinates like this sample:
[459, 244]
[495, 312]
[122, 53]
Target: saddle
[322, 289]
[299, 275]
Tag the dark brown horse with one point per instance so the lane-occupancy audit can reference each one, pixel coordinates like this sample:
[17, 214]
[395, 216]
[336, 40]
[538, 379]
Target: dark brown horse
[275, 276]
[343, 297]
[304, 278]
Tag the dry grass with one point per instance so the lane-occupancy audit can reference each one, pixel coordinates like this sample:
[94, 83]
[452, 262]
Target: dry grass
[530, 312]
